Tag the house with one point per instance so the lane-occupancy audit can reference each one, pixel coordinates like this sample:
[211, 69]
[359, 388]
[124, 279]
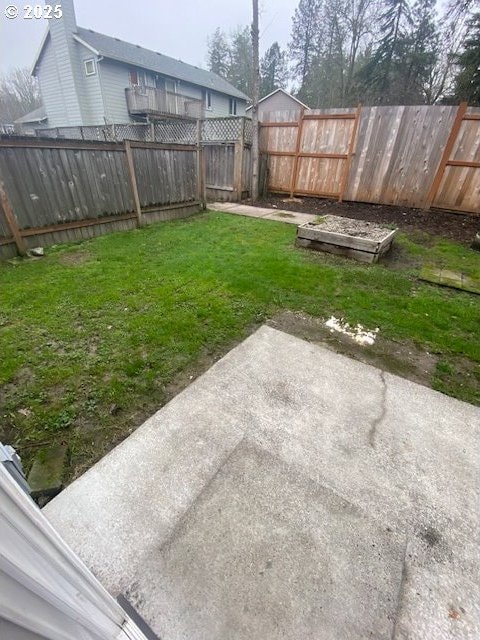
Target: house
[278, 100]
[87, 78]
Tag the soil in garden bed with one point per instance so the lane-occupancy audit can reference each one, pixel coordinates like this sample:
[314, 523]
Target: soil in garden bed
[458, 227]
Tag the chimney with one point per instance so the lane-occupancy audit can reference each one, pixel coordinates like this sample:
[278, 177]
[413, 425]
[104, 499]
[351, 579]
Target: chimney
[68, 63]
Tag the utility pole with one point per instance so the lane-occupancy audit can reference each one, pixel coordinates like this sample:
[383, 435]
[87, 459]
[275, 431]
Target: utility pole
[255, 98]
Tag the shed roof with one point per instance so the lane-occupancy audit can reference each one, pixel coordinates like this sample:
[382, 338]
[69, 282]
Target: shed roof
[37, 115]
[282, 91]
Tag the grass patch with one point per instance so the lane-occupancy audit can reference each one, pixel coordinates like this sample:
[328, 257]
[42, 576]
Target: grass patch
[92, 335]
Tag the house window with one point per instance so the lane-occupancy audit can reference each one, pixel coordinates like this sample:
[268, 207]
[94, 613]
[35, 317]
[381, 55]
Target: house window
[208, 100]
[90, 69]
[232, 108]
[170, 85]
[133, 78]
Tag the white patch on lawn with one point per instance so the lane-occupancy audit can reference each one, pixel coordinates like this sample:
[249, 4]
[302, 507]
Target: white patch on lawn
[361, 335]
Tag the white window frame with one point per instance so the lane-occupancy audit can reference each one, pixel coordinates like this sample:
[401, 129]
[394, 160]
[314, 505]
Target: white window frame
[232, 106]
[94, 67]
[65, 600]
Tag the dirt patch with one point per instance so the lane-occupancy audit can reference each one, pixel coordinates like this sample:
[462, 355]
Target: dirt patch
[400, 358]
[453, 226]
[74, 257]
[22, 378]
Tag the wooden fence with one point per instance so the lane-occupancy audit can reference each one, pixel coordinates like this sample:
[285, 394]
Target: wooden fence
[54, 191]
[412, 156]
[227, 171]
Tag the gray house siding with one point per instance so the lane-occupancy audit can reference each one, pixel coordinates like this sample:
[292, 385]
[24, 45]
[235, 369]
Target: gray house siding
[51, 88]
[93, 106]
[61, 108]
[68, 66]
[221, 106]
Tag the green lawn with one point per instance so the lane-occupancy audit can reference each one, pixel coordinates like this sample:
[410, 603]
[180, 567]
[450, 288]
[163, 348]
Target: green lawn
[92, 335]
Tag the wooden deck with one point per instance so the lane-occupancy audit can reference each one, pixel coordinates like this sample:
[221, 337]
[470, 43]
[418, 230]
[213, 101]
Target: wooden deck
[149, 101]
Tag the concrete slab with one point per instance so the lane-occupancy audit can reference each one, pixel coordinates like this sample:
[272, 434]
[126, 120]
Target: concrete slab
[46, 475]
[291, 217]
[453, 279]
[290, 492]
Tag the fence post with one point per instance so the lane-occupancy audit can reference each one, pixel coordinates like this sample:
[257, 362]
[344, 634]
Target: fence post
[351, 151]
[238, 162]
[201, 191]
[152, 131]
[457, 123]
[133, 181]
[293, 182]
[12, 222]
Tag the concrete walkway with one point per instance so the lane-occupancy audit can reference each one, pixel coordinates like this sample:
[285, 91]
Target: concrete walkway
[292, 493]
[293, 217]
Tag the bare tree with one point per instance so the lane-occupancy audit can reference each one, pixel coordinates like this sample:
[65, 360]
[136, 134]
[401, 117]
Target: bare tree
[255, 98]
[453, 27]
[18, 95]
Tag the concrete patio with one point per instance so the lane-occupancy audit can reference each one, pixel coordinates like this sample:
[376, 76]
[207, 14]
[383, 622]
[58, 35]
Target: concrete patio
[290, 492]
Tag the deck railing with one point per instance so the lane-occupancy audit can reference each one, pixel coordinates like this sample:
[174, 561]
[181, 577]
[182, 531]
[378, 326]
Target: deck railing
[157, 102]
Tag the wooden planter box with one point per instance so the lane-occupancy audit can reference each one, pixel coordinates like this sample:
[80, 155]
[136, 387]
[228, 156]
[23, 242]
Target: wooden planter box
[357, 239]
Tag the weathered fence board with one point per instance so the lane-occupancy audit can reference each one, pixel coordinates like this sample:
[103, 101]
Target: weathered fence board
[60, 192]
[394, 157]
[158, 174]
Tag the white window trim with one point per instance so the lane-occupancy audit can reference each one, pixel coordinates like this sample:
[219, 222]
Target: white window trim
[232, 107]
[92, 61]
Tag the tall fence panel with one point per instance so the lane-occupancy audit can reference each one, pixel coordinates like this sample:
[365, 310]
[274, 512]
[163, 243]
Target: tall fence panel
[457, 183]
[384, 155]
[398, 152]
[219, 171]
[158, 172]
[58, 191]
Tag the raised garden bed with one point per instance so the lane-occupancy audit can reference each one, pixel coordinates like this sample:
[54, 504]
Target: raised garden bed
[357, 239]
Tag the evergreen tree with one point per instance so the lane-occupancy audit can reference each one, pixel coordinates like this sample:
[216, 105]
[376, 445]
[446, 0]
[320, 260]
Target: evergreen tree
[385, 74]
[273, 70]
[218, 53]
[345, 28]
[422, 52]
[467, 85]
[305, 37]
[240, 72]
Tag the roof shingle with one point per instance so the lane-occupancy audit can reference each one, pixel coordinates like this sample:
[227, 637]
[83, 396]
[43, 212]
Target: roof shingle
[117, 49]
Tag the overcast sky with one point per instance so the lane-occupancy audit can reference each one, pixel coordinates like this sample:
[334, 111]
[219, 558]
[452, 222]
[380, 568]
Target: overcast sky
[178, 29]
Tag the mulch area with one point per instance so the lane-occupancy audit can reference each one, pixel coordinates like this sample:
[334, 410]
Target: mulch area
[458, 227]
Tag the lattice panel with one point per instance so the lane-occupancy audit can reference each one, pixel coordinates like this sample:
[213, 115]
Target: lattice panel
[139, 132]
[176, 131]
[168, 131]
[221, 129]
[248, 131]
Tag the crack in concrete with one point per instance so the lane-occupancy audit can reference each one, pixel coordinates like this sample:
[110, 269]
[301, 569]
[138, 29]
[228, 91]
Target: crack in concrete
[401, 592]
[376, 423]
